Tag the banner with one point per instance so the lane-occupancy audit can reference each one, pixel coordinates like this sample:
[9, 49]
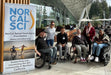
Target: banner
[19, 37]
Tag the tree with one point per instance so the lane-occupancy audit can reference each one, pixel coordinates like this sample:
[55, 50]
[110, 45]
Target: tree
[98, 8]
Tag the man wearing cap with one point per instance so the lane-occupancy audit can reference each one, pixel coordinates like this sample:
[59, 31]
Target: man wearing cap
[42, 47]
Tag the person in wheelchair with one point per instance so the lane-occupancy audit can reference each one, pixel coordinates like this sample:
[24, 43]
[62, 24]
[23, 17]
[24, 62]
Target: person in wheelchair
[13, 49]
[42, 47]
[101, 41]
[79, 43]
[62, 40]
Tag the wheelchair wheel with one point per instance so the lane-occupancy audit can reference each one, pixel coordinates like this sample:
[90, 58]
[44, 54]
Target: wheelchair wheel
[39, 62]
[107, 59]
[13, 55]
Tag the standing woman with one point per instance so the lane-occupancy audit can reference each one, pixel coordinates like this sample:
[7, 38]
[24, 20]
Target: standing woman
[89, 33]
[50, 33]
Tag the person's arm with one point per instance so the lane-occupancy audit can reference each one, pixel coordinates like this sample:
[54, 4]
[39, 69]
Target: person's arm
[93, 33]
[58, 39]
[66, 38]
[37, 51]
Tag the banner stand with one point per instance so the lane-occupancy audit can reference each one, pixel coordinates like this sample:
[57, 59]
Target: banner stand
[19, 38]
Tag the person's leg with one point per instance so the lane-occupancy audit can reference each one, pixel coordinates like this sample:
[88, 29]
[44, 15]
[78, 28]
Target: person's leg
[94, 48]
[84, 50]
[51, 42]
[99, 47]
[54, 52]
[66, 50]
[60, 50]
[89, 42]
[48, 42]
[78, 48]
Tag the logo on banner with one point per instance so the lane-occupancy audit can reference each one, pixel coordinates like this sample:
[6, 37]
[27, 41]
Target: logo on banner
[18, 18]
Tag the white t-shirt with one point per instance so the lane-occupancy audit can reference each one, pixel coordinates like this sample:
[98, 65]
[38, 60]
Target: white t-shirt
[50, 33]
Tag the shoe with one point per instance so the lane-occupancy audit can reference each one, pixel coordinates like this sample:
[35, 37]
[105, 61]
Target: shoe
[54, 63]
[89, 57]
[84, 60]
[81, 60]
[49, 67]
[96, 59]
[92, 58]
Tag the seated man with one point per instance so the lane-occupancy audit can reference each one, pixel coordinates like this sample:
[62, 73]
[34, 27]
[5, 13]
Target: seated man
[100, 41]
[62, 40]
[79, 44]
[42, 47]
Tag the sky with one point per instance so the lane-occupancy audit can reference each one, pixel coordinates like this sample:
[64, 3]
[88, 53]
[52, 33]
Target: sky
[109, 2]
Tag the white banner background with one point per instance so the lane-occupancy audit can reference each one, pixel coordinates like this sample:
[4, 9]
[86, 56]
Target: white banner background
[26, 34]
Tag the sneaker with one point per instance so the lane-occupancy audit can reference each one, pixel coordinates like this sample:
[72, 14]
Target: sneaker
[82, 60]
[92, 57]
[96, 59]
[54, 63]
[49, 67]
[89, 57]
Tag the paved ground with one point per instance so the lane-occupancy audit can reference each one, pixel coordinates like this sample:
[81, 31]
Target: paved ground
[69, 68]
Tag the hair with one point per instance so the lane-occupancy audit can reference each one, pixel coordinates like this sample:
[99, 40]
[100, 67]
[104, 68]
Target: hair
[102, 30]
[52, 22]
[62, 28]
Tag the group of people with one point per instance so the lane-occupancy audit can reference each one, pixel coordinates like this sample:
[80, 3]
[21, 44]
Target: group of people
[44, 43]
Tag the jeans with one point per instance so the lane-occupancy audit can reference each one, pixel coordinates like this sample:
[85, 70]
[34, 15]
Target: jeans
[50, 42]
[60, 50]
[98, 48]
[79, 48]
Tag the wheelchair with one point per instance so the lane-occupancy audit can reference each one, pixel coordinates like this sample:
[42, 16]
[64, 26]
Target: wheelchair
[13, 54]
[41, 60]
[68, 57]
[75, 53]
[104, 56]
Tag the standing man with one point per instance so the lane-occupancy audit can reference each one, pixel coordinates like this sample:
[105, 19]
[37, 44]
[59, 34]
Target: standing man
[89, 33]
[62, 40]
[50, 34]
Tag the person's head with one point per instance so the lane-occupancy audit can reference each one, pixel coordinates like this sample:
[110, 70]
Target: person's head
[52, 24]
[89, 24]
[63, 30]
[108, 27]
[78, 31]
[101, 32]
[42, 34]
[13, 46]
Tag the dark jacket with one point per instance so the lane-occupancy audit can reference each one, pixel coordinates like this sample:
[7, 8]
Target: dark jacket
[41, 43]
[79, 41]
[62, 38]
[104, 38]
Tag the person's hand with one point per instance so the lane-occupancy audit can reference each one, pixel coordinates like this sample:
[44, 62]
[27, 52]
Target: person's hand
[100, 42]
[88, 35]
[63, 45]
[74, 48]
[97, 42]
[39, 53]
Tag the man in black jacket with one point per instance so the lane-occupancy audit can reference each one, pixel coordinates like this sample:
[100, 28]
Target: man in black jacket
[79, 44]
[62, 40]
